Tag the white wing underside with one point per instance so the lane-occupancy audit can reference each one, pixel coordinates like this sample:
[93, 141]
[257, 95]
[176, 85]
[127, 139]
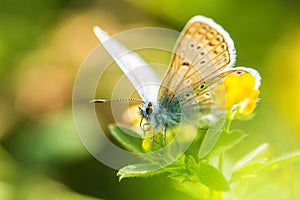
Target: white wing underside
[140, 74]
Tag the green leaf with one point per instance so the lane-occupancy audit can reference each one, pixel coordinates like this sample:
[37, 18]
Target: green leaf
[248, 171]
[228, 140]
[211, 138]
[183, 169]
[127, 138]
[250, 157]
[196, 190]
[211, 177]
[281, 161]
[139, 170]
[253, 169]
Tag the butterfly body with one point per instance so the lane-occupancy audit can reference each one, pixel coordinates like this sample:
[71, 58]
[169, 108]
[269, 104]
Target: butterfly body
[160, 116]
[168, 112]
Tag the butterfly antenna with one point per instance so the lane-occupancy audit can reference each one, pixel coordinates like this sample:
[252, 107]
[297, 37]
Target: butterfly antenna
[115, 100]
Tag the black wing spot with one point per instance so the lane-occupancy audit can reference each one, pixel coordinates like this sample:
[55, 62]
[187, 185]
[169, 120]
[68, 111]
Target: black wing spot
[219, 38]
[186, 63]
[187, 95]
[187, 81]
[239, 72]
[202, 86]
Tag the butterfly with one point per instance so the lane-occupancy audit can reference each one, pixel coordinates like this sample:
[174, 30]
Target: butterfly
[204, 56]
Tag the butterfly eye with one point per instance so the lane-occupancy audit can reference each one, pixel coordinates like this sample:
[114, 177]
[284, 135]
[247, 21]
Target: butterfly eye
[149, 109]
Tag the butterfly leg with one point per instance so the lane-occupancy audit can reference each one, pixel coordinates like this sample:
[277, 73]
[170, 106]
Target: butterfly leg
[145, 127]
[143, 134]
[142, 127]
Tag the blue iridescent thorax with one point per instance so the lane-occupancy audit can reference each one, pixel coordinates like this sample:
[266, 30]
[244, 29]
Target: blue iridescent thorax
[165, 114]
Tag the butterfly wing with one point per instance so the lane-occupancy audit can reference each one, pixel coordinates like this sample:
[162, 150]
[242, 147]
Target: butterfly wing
[132, 65]
[203, 50]
[207, 99]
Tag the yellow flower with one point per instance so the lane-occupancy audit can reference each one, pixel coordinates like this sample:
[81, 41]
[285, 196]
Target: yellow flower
[147, 144]
[247, 106]
[239, 91]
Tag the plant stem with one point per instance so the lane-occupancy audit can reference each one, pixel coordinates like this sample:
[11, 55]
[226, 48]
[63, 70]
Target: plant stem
[228, 121]
[197, 143]
[221, 159]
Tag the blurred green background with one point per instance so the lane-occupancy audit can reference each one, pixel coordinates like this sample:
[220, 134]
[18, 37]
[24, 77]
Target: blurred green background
[42, 45]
